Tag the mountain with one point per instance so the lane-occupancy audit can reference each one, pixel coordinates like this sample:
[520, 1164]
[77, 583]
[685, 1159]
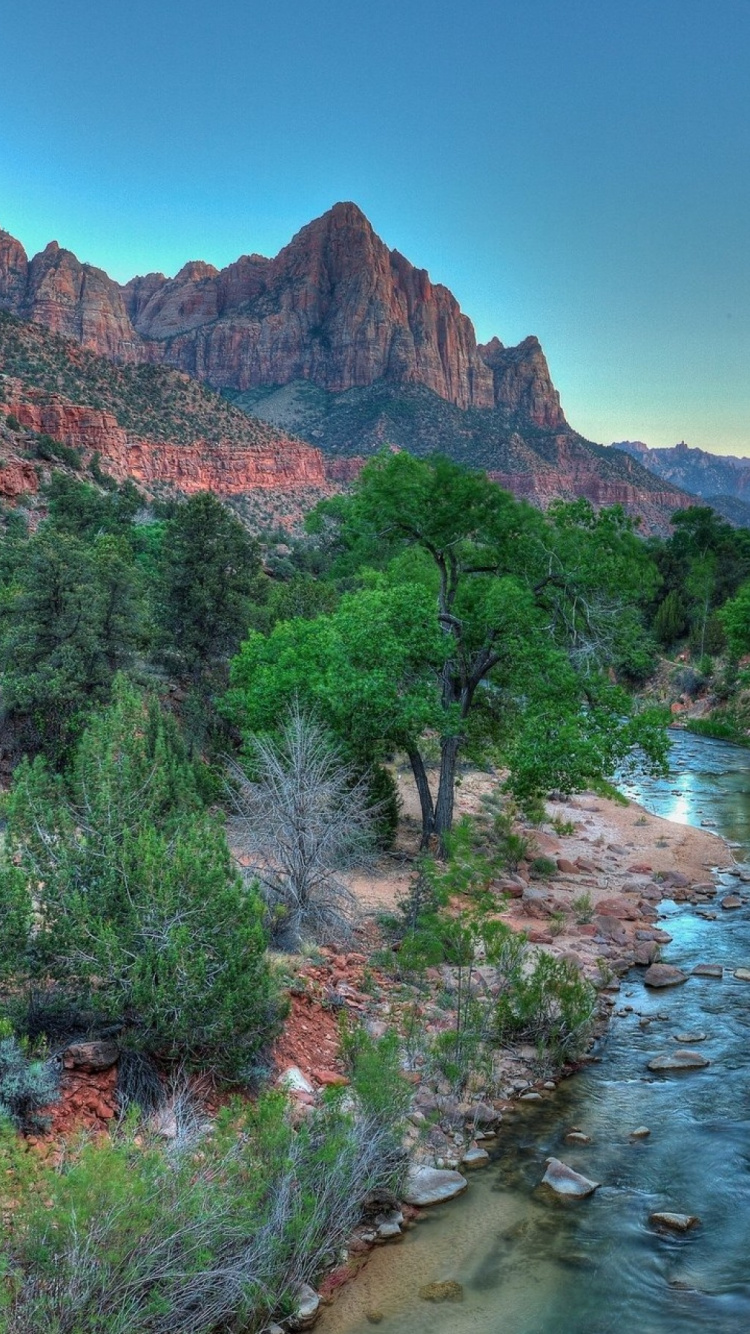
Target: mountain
[337, 340]
[695, 470]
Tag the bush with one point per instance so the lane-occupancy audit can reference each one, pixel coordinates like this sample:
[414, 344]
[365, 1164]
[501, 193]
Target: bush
[51, 450]
[543, 867]
[133, 1240]
[119, 890]
[25, 1085]
[551, 1006]
[12, 423]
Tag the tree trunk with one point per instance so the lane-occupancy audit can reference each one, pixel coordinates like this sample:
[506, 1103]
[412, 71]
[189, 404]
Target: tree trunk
[425, 798]
[443, 821]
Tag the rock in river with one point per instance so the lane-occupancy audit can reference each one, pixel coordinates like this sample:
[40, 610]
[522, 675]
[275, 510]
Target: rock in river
[742, 974]
[679, 1060]
[663, 975]
[564, 1181]
[674, 1222]
[432, 1185]
[708, 970]
[696, 1036]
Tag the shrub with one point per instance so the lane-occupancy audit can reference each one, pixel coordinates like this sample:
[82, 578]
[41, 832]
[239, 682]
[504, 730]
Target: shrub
[13, 423]
[551, 1006]
[131, 1239]
[583, 907]
[303, 820]
[543, 867]
[25, 1085]
[139, 913]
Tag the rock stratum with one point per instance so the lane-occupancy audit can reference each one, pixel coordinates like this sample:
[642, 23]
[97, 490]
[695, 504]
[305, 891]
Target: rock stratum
[326, 353]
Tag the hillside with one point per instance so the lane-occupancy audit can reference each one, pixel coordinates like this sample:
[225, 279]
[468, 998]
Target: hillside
[167, 432]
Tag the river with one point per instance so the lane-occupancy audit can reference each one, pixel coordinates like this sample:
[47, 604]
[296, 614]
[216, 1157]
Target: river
[531, 1265]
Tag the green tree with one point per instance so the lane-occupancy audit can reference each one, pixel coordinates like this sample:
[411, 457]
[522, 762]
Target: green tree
[735, 618]
[70, 616]
[670, 620]
[487, 624]
[210, 572]
[119, 889]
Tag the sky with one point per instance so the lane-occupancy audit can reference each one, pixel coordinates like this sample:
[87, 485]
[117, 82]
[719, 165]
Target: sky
[575, 169]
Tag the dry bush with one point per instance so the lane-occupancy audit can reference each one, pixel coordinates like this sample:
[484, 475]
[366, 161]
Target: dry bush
[304, 818]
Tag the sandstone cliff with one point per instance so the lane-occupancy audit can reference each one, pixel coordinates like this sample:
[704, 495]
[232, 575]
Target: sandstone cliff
[224, 467]
[335, 307]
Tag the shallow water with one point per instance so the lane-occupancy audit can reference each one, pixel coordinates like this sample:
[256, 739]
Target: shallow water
[530, 1265]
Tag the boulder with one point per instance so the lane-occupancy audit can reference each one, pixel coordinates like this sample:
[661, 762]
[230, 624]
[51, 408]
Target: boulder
[679, 1060]
[567, 867]
[91, 1056]
[692, 1036]
[708, 970]
[674, 1222]
[618, 906]
[432, 1185]
[577, 1137]
[564, 1181]
[742, 974]
[641, 1132]
[663, 975]
[731, 901]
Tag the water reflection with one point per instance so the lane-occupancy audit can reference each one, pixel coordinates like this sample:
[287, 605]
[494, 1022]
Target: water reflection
[530, 1266]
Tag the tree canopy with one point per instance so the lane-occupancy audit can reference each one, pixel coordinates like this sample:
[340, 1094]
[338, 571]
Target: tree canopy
[476, 620]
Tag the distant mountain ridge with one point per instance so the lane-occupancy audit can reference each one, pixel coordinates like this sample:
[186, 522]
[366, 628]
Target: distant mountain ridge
[722, 480]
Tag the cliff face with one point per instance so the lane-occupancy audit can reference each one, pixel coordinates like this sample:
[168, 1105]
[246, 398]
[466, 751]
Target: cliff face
[228, 469]
[335, 307]
[522, 384]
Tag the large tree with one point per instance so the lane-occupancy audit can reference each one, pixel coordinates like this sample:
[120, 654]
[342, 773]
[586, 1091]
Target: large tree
[210, 570]
[487, 625]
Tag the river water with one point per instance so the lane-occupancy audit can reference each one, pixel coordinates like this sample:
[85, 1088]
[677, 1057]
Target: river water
[531, 1265]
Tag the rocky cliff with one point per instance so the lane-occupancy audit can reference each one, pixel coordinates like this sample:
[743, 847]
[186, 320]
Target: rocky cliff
[335, 307]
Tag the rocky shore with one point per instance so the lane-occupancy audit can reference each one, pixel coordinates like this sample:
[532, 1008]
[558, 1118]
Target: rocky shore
[599, 909]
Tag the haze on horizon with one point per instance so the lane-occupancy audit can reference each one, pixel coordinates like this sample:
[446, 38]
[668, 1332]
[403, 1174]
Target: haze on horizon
[578, 172]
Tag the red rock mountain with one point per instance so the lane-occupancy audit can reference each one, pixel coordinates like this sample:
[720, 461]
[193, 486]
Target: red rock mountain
[335, 307]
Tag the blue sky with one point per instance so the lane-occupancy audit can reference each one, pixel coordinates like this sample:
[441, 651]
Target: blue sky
[575, 169]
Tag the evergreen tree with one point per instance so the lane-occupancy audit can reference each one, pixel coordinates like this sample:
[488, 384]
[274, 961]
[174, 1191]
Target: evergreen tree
[210, 571]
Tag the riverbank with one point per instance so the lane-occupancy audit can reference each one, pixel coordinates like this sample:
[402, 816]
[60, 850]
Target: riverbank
[615, 865]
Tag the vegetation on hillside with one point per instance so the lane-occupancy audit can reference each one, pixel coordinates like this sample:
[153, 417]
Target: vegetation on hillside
[150, 401]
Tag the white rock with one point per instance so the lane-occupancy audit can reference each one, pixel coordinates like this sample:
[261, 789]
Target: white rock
[564, 1181]
[308, 1308]
[432, 1185]
[294, 1080]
